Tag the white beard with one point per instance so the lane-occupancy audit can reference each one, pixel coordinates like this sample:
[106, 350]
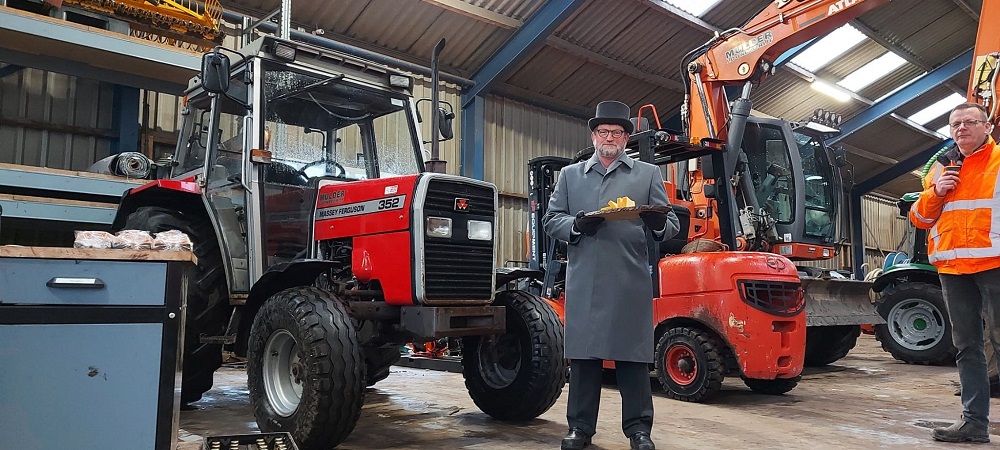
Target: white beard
[609, 152]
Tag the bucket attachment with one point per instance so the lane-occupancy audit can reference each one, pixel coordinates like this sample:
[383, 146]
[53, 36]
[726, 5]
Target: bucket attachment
[838, 301]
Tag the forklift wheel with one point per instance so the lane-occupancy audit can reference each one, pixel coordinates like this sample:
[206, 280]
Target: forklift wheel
[689, 364]
[776, 386]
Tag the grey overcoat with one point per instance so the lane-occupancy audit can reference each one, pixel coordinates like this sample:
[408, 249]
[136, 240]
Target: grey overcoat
[609, 291]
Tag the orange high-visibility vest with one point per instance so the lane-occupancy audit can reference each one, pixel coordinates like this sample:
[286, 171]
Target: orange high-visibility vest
[964, 225]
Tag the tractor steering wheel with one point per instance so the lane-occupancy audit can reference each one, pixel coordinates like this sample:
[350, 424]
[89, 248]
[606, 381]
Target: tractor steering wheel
[330, 167]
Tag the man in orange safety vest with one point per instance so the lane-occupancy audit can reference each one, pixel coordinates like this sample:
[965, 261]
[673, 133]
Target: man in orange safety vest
[961, 207]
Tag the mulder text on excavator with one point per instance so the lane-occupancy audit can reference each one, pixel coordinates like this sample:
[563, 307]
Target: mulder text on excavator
[766, 188]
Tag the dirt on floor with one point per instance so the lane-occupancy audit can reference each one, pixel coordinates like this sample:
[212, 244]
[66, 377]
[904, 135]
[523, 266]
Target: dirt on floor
[864, 401]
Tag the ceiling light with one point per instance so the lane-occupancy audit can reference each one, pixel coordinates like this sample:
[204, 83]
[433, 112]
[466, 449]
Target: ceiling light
[837, 94]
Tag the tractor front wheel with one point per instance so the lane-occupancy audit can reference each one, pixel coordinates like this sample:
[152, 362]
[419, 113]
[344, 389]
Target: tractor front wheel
[305, 368]
[689, 364]
[917, 329]
[517, 375]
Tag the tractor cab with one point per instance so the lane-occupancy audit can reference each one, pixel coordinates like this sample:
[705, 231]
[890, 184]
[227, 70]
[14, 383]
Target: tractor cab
[288, 118]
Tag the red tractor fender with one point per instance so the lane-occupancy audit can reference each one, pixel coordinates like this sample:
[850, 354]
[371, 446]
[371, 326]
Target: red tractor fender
[177, 194]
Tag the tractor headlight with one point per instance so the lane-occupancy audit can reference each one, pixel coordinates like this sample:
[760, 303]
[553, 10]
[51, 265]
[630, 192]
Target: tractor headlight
[439, 227]
[480, 230]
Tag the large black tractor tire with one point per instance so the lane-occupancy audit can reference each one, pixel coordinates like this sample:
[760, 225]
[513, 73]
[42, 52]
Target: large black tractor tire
[776, 386]
[689, 364]
[305, 368]
[517, 375]
[917, 329]
[378, 361]
[824, 345]
[208, 308]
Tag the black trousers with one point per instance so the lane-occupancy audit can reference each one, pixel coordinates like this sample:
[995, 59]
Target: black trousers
[585, 395]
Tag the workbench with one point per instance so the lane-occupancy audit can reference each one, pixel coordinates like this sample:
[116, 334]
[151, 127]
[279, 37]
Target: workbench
[91, 347]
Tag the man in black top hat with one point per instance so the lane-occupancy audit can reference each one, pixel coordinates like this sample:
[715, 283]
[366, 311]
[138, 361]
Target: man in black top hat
[609, 291]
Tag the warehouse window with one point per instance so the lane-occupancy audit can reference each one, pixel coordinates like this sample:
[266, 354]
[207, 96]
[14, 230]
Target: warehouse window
[821, 52]
[694, 7]
[937, 109]
[871, 72]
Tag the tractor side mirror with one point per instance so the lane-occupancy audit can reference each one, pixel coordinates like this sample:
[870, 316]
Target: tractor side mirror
[215, 72]
[445, 125]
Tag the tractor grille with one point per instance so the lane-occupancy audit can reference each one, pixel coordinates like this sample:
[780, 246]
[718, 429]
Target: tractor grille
[774, 297]
[458, 269]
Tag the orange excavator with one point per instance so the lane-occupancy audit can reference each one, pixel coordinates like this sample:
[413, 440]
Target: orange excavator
[766, 190]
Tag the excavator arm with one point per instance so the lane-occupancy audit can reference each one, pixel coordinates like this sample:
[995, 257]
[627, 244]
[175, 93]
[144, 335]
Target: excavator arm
[741, 55]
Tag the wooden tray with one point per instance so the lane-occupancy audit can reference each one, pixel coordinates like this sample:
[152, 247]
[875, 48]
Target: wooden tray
[627, 213]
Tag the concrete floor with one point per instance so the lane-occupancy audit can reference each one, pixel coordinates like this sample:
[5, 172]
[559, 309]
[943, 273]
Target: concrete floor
[866, 400]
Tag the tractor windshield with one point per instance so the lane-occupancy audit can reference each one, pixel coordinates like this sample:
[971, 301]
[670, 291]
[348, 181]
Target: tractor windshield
[322, 125]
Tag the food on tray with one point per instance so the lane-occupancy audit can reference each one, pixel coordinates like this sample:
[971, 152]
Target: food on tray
[620, 202]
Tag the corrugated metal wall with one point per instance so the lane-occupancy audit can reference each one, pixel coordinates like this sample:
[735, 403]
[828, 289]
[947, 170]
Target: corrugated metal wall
[884, 229]
[53, 120]
[515, 133]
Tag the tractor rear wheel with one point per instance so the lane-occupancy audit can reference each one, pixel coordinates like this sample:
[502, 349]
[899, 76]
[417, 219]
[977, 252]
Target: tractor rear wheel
[689, 364]
[208, 306]
[517, 375]
[776, 386]
[824, 345]
[305, 368]
[917, 329]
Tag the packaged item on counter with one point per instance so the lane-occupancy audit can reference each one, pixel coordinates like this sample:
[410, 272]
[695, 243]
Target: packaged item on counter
[174, 240]
[93, 239]
[134, 239]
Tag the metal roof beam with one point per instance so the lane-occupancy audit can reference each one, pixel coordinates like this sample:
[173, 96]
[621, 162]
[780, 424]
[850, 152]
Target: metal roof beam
[686, 17]
[901, 97]
[478, 13]
[525, 40]
[968, 9]
[615, 65]
[901, 168]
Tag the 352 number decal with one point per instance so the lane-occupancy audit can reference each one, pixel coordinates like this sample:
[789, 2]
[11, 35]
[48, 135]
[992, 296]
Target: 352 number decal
[388, 203]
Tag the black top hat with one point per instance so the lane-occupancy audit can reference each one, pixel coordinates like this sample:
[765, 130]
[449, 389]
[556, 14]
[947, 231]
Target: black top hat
[612, 112]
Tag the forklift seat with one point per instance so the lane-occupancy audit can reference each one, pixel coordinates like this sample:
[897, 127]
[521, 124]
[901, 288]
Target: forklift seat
[673, 245]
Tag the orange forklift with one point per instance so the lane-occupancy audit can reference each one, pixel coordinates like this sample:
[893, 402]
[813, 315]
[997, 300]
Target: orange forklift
[767, 191]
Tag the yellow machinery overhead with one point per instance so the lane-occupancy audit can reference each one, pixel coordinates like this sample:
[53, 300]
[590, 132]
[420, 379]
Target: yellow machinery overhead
[174, 22]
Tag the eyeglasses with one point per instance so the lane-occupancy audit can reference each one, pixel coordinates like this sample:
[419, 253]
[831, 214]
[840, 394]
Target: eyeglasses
[614, 133]
[967, 123]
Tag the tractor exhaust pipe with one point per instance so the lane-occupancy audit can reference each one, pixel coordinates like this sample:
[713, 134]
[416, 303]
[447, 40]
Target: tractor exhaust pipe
[435, 164]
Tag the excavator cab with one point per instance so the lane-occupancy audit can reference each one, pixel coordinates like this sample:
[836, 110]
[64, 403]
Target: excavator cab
[796, 183]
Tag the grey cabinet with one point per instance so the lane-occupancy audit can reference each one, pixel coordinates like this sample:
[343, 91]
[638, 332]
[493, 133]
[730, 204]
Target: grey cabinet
[90, 348]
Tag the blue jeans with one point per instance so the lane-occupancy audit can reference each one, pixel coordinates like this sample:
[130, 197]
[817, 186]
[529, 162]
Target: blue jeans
[973, 299]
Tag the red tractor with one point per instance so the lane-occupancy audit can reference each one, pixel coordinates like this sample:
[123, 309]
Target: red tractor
[323, 245]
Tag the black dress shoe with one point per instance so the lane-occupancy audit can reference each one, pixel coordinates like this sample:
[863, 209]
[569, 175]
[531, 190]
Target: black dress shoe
[641, 441]
[575, 439]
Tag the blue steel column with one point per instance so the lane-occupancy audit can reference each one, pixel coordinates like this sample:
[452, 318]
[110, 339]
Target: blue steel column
[522, 44]
[857, 236]
[473, 138]
[125, 119]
